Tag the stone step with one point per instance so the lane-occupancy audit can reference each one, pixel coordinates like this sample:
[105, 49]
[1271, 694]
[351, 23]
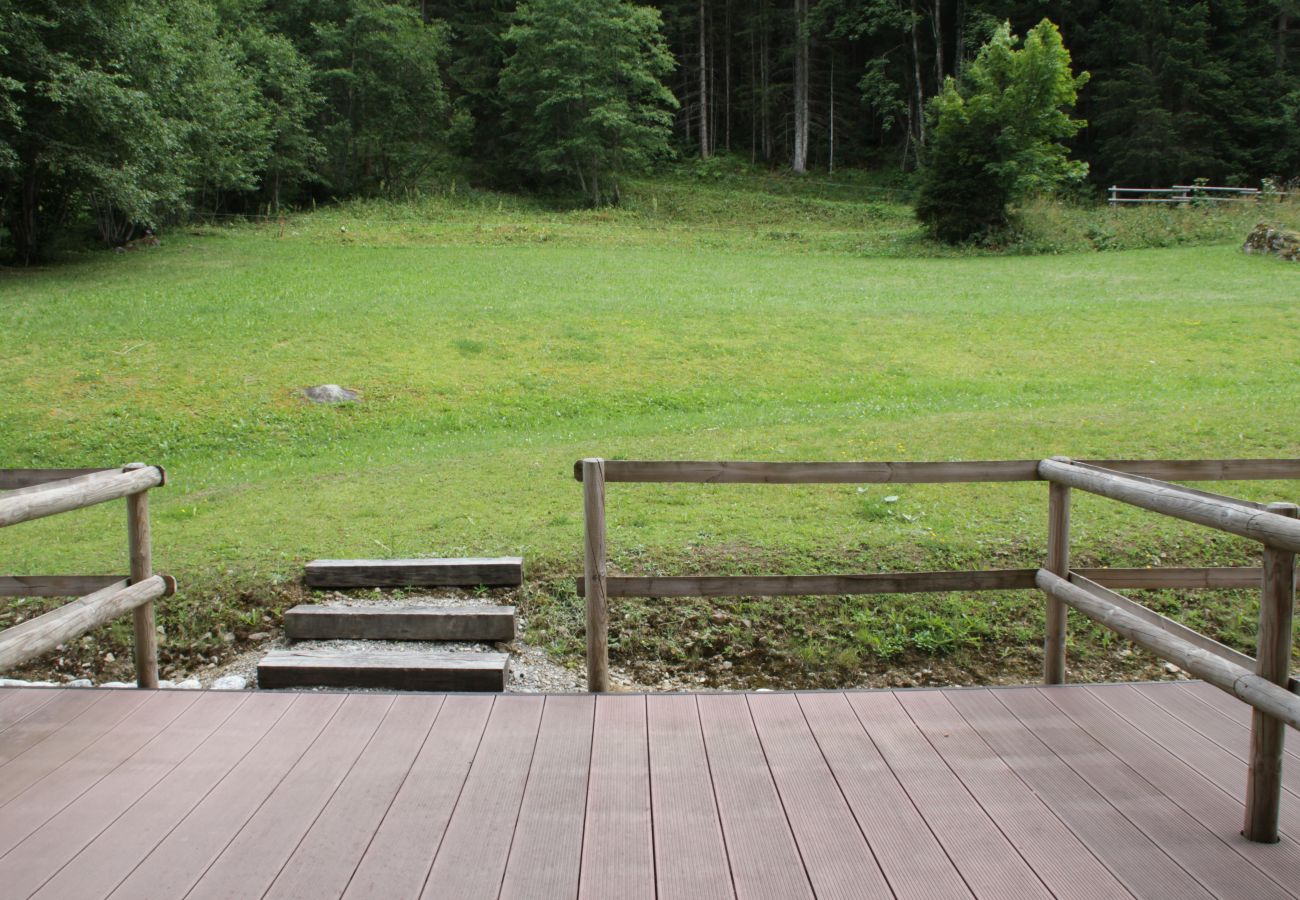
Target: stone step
[399, 671]
[316, 622]
[504, 571]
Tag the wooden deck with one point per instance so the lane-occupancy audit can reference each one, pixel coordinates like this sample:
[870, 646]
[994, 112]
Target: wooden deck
[1080, 792]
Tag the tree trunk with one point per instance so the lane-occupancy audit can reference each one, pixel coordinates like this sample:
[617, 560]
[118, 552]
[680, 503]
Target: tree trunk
[753, 100]
[830, 157]
[726, 78]
[1283, 35]
[704, 88]
[765, 75]
[919, 117]
[959, 52]
[800, 161]
[936, 25]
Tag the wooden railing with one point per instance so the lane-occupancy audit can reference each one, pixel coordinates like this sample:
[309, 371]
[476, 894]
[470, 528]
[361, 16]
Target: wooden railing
[1183, 194]
[1264, 682]
[27, 494]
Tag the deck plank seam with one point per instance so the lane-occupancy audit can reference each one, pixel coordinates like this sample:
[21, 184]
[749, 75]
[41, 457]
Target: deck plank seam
[1289, 748]
[650, 793]
[442, 704]
[320, 812]
[1181, 764]
[262, 803]
[586, 804]
[713, 792]
[785, 813]
[845, 797]
[53, 692]
[145, 794]
[514, 829]
[1092, 787]
[89, 706]
[460, 792]
[1038, 794]
[976, 800]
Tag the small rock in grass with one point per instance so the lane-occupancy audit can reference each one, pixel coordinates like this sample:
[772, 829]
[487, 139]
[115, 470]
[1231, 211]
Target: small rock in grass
[1172, 669]
[189, 684]
[230, 683]
[329, 393]
[259, 636]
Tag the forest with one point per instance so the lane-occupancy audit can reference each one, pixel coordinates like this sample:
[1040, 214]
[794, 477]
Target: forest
[127, 113]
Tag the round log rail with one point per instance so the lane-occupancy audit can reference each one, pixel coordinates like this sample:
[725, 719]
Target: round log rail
[42, 500]
[1237, 680]
[42, 634]
[1172, 500]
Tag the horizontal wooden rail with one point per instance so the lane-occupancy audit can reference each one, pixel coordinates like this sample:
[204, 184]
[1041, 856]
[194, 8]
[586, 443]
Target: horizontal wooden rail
[750, 472]
[1229, 676]
[54, 497]
[42, 634]
[54, 585]
[1170, 578]
[12, 479]
[1246, 520]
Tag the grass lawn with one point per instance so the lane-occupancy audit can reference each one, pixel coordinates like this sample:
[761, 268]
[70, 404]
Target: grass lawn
[494, 345]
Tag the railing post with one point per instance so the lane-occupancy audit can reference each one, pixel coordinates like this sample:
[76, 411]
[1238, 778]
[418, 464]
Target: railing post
[595, 571]
[1273, 661]
[141, 548]
[1058, 563]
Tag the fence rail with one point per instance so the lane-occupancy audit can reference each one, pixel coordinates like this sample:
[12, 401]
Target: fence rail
[29, 494]
[1183, 194]
[1265, 682]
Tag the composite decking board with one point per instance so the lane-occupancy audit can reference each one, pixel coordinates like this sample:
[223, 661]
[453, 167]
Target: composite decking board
[765, 860]
[172, 867]
[1200, 852]
[836, 855]
[618, 840]
[1061, 860]
[1211, 759]
[63, 744]
[45, 720]
[29, 810]
[100, 865]
[913, 860]
[1216, 809]
[251, 861]
[325, 859]
[1237, 713]
[989, 863]
[506, 571]
[1233, 736]
[546, 854]
[1235, 740]
[398, 859]
[26, 867]
[16, 705]
[1134, 858]
[690, 855]
[405, 623]
[471, 859]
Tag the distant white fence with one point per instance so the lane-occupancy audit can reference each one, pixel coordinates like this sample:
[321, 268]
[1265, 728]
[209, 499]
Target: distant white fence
[1183, 194]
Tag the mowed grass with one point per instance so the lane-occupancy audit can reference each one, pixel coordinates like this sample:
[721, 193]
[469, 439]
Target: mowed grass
[486, 367]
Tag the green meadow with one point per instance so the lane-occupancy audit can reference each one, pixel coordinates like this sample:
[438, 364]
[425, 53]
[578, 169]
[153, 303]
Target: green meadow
[494, 342]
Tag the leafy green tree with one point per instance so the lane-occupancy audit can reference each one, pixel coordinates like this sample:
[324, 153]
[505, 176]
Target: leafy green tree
[995, 137]
[585, 91]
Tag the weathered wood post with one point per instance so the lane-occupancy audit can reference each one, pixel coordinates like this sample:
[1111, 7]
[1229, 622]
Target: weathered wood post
[141, 549]
[1272, 661]
[1058, 563]
[595, 571]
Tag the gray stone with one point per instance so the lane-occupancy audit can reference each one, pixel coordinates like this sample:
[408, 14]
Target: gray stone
[189, 684]
[81, 682]
[230, 683]
[330, 393]
[118, 684]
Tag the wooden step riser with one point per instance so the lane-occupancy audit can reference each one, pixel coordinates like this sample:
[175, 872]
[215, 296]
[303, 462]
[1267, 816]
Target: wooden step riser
[505, 571]
[322, 623]
[285, 669]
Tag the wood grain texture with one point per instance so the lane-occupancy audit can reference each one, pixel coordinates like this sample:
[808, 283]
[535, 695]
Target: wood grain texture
[55, 585]
[1229, 676]
[40, 635]
[404, 671]
[1058, 563]
[42, 500]
[1234, 517]
[618, 843]
[407, 623]
[14, 479]
[748, 472]
[595, 568]
[546, 856]
[144, 646]
[505, 571]
[690, 855]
